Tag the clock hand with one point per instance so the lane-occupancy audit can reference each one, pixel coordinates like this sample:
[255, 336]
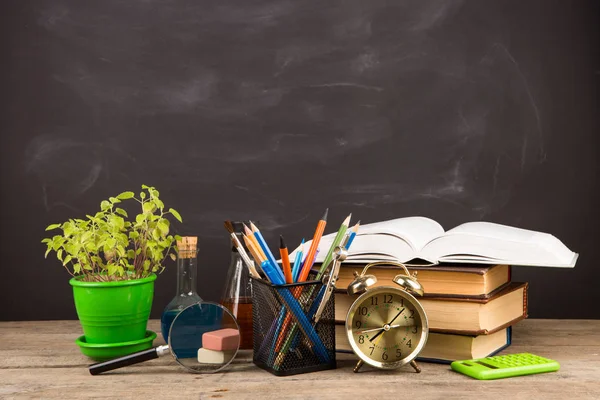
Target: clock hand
[397, 315]
[374, 329]
[382, 328]
[376, 335]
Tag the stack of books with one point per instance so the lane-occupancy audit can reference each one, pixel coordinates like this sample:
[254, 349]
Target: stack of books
[470, 309]
[470, 299]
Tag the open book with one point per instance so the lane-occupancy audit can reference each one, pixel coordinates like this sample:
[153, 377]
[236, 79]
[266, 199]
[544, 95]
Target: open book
[420, 238]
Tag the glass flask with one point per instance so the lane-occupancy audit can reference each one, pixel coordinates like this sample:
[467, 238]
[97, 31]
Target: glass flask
[237, 296]
[187, 273]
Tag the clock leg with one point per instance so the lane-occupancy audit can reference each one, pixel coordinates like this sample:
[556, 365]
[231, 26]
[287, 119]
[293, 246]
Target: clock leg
[415, 366]
[358, 365]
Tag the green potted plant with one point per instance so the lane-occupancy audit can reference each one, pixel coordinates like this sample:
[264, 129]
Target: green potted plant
[113, 262]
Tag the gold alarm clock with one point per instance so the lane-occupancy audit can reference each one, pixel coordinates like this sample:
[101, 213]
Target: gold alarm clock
[387, 326]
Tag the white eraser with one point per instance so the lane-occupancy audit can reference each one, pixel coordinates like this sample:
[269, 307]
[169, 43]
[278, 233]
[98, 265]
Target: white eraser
[206, 356]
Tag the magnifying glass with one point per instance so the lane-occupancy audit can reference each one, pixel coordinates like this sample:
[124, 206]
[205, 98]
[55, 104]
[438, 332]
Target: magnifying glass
[204, 338]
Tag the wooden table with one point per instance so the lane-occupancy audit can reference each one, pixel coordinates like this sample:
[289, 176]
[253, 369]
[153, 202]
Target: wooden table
[41, 360]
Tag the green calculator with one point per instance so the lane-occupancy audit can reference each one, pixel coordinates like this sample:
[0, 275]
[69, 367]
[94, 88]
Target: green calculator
[498, 367]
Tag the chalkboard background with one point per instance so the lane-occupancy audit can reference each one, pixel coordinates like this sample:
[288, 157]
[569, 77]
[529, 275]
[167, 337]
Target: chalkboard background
[274, 110]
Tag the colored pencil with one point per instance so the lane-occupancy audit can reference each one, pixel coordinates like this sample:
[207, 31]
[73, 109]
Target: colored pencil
[313, 248]
[253, 250]
[270, 257]
[352, 235]
[250, 235]
[285, 261]
[297, 262]
[336, 242]
[236, 242]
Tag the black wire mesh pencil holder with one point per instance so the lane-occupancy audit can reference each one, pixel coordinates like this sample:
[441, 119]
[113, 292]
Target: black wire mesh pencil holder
[290, 347]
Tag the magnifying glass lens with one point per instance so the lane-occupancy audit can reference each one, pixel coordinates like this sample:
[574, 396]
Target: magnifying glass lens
[204, 337]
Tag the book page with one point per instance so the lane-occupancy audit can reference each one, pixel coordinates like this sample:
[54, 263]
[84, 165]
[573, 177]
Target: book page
[487, 242]
[510, 233]
[417, 231]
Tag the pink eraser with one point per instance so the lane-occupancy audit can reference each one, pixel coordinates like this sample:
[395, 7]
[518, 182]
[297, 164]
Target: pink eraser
[221, 340]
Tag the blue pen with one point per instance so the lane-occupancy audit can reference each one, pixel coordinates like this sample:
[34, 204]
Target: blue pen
[297, 262]
[267, 251]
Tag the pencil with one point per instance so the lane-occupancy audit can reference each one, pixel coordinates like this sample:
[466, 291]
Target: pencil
[352, 235]
[253, 250]
[336, 242]
[270, 257]
[297, 262]
[313, 247]
[285, 261]
[250, 235]
[236, 242]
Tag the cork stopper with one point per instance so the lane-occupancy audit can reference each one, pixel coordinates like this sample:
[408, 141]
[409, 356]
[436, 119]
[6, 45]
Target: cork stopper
[186, 247]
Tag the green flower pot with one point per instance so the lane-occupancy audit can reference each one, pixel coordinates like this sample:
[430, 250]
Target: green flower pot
[113, 312]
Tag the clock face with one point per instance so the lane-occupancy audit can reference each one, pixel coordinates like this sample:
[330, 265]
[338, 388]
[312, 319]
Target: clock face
[387, 327]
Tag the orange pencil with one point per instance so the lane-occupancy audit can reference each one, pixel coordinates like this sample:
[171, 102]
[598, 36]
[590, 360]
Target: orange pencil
[285, 261]
[310, 256]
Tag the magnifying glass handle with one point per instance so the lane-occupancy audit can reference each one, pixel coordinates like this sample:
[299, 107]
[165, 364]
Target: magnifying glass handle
[129, 359]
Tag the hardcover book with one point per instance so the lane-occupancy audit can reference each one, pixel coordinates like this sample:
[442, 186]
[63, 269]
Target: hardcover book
[446, 347]
[463, 315]
[448, 280]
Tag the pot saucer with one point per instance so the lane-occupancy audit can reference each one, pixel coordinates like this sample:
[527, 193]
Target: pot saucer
[107, 351]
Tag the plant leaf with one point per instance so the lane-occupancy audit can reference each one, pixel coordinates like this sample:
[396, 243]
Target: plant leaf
[148, 207]
[125, 195]
[104, 205]
[53, 226]
[110, 243]
[175, 214]
[121, 212]
[173, 257]
[163, 227]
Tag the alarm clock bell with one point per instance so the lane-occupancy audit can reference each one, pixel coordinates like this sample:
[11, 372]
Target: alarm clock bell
[364, 281]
